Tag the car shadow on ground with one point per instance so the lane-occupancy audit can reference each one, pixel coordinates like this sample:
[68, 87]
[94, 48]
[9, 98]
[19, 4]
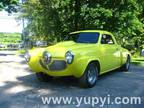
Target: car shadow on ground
[55, 82]
[67, 82]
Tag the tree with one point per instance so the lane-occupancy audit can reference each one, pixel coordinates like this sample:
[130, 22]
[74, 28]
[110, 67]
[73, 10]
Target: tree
[9, 5]
[54, 19]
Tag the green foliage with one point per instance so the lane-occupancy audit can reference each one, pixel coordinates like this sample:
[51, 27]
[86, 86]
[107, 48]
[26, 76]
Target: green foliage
[10, 38]
[138, 61]
[53, 20]
[9, 5]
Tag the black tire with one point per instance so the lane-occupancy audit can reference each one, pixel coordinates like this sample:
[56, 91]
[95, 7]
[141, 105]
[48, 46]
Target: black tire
[43, 77]
[126, 66]
[90, 76]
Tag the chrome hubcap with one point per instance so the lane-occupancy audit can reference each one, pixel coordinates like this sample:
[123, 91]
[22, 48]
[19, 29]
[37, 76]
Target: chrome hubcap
[92, 76]
[128, 63]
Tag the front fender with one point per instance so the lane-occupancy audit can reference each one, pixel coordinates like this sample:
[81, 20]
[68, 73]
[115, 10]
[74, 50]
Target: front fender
[81, 64]
[34, 60]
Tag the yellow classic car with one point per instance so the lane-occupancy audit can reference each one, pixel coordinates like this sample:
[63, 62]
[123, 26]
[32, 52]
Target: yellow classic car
[83, 54]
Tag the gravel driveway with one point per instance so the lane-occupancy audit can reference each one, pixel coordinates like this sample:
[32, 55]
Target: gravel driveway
[19, 87]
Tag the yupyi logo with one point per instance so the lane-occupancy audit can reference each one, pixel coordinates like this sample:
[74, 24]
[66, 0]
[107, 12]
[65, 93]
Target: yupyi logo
[101, 101]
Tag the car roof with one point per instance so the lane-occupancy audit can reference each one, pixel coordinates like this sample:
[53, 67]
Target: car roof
[90, 31]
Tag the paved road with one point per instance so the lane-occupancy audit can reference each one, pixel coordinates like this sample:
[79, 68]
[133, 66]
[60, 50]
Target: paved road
[19, 87]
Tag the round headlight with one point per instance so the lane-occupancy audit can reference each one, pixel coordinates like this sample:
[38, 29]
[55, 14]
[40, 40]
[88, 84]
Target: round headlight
[27, 56]
[47, 57]
[69, 57]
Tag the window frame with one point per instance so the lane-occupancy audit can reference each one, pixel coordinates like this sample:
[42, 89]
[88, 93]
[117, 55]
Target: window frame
[110, 38]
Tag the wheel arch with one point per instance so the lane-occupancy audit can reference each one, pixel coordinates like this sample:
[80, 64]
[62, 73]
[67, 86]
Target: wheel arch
[124, 55]
[128, 55]
[97, 63]
[79, 70]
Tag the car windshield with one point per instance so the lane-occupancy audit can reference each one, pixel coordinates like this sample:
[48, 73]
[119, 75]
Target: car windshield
[84, 37]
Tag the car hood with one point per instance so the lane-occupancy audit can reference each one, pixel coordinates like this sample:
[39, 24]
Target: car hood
[61, 48]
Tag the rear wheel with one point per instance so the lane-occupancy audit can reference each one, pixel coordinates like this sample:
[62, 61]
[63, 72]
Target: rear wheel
[43, 77]
[126, 66]
[90, 76]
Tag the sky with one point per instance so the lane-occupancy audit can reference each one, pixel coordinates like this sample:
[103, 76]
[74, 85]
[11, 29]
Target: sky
[8, 23]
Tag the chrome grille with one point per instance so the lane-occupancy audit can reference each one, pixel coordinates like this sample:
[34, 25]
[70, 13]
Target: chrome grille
[57, 65]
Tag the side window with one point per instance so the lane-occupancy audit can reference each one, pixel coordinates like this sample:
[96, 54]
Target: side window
[107, 39]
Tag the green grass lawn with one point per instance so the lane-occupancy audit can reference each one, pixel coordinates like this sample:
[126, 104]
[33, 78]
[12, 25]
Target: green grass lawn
[138, 61]
[10, 38]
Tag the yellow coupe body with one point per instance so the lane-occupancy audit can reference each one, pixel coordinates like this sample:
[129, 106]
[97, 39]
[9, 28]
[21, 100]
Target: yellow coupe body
[72, 56]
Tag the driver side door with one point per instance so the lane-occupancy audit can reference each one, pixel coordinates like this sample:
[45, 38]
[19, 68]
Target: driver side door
[110, 57]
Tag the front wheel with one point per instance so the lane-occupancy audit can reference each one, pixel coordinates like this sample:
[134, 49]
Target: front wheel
[126, 66]
[43, 77]
[90, 76]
